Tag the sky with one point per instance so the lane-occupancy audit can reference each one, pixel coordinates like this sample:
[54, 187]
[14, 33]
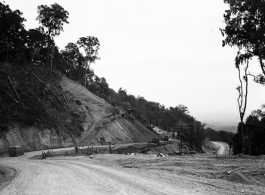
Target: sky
[166, 51]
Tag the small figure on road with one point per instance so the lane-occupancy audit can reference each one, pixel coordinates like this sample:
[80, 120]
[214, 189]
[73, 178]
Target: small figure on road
[76, 149]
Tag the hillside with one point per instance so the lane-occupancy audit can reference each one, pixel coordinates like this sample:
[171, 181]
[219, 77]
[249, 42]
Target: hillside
[223, 127]
[42, 109]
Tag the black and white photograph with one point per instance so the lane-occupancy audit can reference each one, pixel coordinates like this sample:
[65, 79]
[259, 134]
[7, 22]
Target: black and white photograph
[132, 97]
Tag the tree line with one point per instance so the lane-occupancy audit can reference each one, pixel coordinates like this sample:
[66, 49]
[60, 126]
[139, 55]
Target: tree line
[254, 134]
[37, 47]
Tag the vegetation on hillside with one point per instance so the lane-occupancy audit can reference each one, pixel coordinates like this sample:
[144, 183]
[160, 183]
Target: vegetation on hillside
[25, 57]
[222, 136]
[254, 134]
[245, 26]
[32, 96]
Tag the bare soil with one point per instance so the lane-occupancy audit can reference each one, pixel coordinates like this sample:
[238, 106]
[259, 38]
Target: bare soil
[216, 174]
[136, 174]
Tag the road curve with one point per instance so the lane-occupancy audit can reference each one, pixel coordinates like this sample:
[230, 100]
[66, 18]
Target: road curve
[81, 175]
[223, 148]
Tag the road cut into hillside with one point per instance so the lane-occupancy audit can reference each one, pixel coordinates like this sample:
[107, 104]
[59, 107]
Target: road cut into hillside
[223, 148]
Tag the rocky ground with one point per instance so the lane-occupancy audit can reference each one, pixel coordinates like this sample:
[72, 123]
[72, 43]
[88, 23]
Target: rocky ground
[216, 174]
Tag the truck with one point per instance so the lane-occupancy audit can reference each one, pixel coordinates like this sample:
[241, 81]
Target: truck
[15, 151]
[155, 140]
[165, 138]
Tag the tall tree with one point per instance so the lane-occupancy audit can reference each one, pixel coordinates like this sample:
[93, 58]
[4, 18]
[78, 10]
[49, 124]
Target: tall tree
[242, 93]
[71, 55]
[91, 46]
[52, 18]
[12, 31]
[36, 42]
[245, 27]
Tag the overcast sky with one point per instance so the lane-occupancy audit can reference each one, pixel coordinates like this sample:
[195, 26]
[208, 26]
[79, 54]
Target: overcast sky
[166, 51]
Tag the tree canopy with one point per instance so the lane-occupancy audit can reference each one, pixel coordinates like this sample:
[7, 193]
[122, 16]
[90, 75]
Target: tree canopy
[12, 32]
[245, 29]
[52, 18]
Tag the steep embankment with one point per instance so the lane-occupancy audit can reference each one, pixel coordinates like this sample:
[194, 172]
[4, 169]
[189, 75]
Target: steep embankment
[60, 112]
[101, 123]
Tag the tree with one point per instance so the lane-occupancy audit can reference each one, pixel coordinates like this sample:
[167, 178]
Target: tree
[36, 42]
[52, 18]
[242, 93]
[90, 45]
[245, 29]
[71, 55]
[12, 31]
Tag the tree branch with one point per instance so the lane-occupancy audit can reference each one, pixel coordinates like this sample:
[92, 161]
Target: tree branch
[262, 65]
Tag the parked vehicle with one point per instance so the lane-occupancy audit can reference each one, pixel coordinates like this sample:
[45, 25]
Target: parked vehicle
[165, 138]
[154, 140]
[15, 151]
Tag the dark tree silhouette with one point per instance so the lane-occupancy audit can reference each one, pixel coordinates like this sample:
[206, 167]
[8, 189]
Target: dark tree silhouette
[36, 44]
[71, 55]
[91, 46]
[52, 18]
[12, 31]
[245, 27]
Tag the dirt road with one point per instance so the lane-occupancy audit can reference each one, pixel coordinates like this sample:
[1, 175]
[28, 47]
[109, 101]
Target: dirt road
[223, 148]
[82, 175]
[134, 174]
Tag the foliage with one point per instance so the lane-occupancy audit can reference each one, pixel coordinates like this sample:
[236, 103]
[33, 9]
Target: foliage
[30, 96]
[12, 33]
[222, 136]
[254, 134]
[91, 46]
[52, 18]
[245, 27]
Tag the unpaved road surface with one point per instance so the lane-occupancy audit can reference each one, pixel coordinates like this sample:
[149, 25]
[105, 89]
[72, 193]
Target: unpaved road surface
[223, 148]
[126, 174]
[81, 175]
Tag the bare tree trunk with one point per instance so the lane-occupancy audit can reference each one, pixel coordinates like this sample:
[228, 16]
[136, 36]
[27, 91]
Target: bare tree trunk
[85, 77]
[242, 102]
[262, 65]
[70, 71]
[7, 49]
[242, 136]
[48, 49]
[48, 55]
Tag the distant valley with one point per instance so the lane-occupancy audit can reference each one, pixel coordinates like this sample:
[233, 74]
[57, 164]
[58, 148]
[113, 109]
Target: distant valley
[218, 126]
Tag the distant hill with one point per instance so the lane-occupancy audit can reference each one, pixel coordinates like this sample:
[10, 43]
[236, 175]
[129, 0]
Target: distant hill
[219, 127]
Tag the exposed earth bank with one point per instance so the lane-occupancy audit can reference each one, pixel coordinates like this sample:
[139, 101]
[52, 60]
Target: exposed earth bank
[95, 121]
